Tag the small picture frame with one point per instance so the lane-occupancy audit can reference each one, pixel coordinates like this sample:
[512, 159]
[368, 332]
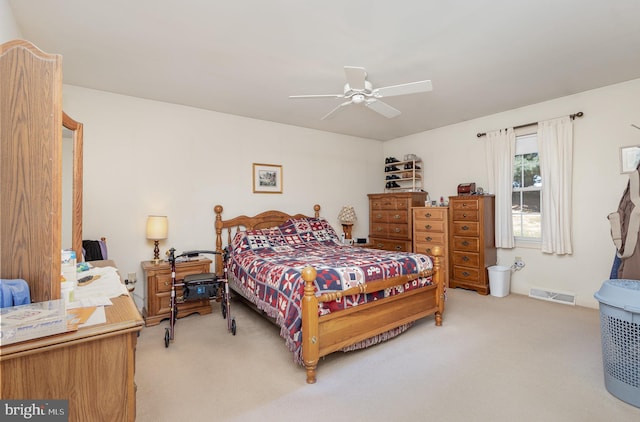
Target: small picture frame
[629, 158]
[267, 178]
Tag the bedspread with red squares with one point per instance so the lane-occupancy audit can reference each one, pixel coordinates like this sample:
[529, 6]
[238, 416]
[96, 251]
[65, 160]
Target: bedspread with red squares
[265, 267]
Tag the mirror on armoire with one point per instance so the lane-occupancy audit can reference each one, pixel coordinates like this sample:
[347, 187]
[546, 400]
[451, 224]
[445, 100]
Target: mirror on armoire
[72, 185]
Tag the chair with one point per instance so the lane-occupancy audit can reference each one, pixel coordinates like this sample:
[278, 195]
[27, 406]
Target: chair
[95, 250]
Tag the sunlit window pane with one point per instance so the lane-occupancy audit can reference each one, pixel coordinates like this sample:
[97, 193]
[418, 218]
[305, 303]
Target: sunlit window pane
[525, 198]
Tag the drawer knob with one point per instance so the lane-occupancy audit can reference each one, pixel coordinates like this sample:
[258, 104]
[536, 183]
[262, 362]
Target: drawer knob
[464, 205]
[398, 248]
[465, 227]
[397, 230]
[166, 283]
[465, 243]
[379, 229]
[466, 274]
[396, 217]
[428, 238]
[380, 245]
[465, 258]
[428, 215]
[464, 215]
[428, 227]
[378, 216]
[429, 251]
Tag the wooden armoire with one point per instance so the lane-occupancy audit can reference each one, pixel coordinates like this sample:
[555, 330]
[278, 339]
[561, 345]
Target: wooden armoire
[93, 367]
[30, 174]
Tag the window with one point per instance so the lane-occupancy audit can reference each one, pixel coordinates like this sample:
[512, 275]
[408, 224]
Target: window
[527, 184]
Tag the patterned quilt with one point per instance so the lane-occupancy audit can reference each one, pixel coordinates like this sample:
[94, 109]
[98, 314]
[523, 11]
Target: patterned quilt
[265, 266]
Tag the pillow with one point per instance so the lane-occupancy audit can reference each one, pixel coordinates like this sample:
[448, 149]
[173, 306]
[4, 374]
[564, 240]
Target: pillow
[309, 229]
[263, 238]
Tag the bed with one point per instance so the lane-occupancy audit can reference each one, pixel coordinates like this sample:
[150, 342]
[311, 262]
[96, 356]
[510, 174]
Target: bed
[324, 295]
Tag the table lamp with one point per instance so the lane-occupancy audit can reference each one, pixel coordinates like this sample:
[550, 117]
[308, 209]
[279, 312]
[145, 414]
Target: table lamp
[157, 229]
[347, 216]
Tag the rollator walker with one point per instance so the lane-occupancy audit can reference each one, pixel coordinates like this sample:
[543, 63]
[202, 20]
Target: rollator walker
[198, 287]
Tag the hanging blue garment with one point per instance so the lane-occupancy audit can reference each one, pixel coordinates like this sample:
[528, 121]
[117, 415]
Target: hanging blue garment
[14, 292]
[615, 267]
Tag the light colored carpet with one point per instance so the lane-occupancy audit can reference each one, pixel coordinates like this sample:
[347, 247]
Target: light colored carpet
[494, 359]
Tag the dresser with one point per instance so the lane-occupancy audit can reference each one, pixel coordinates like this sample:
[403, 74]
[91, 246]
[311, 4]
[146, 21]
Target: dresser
[390, 219]
[93, 368]
[431, 229]
[159, 290]
[472, 243]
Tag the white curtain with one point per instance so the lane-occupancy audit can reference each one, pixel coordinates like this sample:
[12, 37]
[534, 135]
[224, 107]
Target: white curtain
[555, 149]
[500, 148]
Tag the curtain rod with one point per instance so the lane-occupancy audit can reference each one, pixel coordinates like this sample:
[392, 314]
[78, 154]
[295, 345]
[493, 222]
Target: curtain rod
[572, 116]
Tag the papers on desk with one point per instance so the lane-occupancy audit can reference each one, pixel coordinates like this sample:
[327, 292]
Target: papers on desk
[107, 285]
[95, 295]
[90, 302]
[85, 316]
[97, 317]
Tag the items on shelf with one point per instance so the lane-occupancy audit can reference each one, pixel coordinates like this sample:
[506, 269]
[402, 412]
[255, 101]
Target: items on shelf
[403, 175]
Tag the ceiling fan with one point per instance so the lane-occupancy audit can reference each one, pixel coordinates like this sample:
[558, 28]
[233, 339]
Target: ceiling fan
[358, 90]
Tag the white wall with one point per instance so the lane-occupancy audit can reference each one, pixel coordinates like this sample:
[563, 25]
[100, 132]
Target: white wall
[455, 155]
[8, 29]
[146, 157]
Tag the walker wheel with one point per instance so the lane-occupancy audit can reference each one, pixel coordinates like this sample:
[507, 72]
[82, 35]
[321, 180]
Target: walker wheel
[233, 326]
[224, 310]
[167, 337]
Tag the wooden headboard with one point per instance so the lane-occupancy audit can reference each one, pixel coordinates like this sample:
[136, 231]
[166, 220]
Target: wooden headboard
[260, 221]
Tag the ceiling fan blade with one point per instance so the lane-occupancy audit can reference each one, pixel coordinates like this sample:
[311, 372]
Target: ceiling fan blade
[318, 96]
[383, 108]
[329, 114]
[403, 89]
[355, 77]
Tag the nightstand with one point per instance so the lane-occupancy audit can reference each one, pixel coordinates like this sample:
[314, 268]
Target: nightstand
[159, 290]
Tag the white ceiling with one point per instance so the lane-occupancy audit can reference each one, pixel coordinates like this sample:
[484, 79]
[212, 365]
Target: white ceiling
[245, 57]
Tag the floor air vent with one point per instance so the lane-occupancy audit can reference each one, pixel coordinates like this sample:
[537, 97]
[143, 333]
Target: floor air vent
[551, 296]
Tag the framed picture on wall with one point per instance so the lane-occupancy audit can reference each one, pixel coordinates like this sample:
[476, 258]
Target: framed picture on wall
[267, 178]
[629, 158]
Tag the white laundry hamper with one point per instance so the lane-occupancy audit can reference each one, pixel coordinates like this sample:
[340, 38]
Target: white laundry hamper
[620, 331]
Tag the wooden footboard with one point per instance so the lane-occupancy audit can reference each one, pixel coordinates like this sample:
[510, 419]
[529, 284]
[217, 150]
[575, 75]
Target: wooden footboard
[325, 334]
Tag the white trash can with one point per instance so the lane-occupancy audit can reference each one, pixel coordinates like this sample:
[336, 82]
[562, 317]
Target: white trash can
[499, 280]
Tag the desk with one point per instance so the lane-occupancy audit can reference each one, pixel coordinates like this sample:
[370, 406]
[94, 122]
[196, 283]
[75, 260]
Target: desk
[93, 367]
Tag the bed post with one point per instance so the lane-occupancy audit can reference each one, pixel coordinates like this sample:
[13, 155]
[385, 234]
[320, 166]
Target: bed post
[219, 270]
[437, 268]
[316, 211]
[310, 345]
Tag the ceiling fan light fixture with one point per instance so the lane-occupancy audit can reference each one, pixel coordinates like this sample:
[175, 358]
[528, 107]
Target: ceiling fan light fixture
[357, 99]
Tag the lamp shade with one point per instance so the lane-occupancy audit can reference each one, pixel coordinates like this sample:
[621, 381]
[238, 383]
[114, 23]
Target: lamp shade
[157, 227]
[347, 215]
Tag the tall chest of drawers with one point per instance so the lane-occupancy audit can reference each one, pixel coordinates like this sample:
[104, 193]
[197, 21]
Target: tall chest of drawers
[431, 229]
[472, 246]
[390, 219]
